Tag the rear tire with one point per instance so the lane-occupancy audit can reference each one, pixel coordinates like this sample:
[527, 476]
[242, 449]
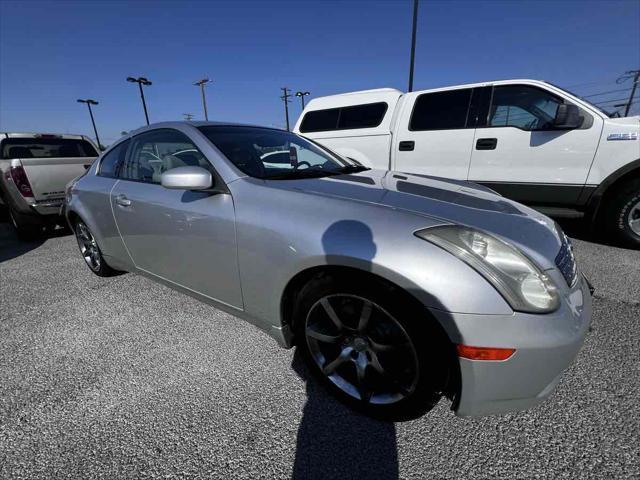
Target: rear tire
[27, 227]
[90, 251]
[394, 367]
[622, 214]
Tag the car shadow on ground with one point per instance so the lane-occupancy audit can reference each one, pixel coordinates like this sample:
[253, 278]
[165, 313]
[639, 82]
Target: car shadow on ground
[335, 442]
[11, 246]
[582, 230]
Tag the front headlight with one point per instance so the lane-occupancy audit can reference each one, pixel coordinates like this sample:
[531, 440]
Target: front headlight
[518, 279]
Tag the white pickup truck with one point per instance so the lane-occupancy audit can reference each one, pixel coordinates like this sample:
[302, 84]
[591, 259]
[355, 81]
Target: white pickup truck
[34, 170]
[526, 139]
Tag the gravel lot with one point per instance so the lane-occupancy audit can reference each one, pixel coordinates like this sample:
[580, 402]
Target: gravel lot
[122, 377]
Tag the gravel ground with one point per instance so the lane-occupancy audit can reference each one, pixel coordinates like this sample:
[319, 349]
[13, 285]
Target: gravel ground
[124, 378]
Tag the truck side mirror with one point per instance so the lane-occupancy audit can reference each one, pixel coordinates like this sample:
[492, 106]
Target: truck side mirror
[567, 117]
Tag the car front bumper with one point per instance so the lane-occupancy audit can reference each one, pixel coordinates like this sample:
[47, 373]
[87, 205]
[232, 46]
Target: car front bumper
[545, 347]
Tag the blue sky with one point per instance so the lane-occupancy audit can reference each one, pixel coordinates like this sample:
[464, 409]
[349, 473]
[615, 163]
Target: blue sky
[52, 53]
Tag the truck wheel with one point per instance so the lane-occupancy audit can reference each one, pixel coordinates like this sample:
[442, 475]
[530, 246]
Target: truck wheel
[622, 214]
[91, 252]
[27, 227]
[376, 352]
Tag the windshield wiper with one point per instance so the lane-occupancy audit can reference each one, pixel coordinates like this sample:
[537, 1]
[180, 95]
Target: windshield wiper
[353, 169]
[306, 173]
[316, 172]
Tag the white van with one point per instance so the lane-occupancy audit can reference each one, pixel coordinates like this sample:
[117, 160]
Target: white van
[526, 139]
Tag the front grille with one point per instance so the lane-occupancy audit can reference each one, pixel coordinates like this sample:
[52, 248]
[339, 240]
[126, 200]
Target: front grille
[565, 260]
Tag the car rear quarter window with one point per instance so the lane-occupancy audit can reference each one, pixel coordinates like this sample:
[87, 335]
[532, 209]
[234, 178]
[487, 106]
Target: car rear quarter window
[441, 110]
[113, 159]
[368, 115]
[46, 148]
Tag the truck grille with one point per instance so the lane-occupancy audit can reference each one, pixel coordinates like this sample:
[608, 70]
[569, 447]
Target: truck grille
[565, 260]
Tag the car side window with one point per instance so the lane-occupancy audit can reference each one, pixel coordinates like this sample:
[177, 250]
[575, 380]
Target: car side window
[153, 153]
[445, 110]
[522, 106]
[112, 161]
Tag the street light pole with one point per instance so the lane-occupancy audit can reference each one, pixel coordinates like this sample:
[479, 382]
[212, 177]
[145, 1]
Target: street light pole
[141, 81]
[285, 99]
[302, 95]
[413, 43]
[202, 83]
[90, 102]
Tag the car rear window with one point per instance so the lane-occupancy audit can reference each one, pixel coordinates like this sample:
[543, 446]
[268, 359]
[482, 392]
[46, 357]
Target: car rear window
[46, 148]
[344, 118]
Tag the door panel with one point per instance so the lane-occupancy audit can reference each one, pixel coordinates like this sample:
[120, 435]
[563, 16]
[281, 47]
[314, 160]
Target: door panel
[185, 237]
[527, 153]
[432, 136]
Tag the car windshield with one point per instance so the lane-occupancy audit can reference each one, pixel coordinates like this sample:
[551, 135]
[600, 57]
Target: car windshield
[275, 154]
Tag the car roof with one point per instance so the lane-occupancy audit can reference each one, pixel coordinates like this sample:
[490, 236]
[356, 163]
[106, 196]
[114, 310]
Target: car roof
[195, 124]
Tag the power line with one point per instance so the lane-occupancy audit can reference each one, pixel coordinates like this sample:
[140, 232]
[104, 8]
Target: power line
[599, 82]
[610, 101]
[604, 93]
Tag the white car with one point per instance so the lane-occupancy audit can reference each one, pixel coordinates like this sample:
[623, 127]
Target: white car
[527, 140]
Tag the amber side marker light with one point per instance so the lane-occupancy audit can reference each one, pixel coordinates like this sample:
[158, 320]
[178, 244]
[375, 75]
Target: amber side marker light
[484, 353]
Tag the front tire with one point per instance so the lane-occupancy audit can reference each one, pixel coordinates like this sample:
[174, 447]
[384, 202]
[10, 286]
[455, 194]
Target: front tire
[622, 214]
[90, 251]
[372, 346]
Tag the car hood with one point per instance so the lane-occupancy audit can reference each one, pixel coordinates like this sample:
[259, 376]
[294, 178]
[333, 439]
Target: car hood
[443, 201]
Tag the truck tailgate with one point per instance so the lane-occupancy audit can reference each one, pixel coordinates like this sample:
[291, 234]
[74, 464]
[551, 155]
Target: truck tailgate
[49, 176]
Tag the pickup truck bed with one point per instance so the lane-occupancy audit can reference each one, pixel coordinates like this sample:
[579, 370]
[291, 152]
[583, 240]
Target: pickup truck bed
[34, 170]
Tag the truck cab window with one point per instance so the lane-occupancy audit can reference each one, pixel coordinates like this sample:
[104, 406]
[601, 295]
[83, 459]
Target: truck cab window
[441, 110]
[523, 107]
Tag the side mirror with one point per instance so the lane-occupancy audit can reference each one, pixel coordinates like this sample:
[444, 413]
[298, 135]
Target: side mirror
[567, 117]
[187, 178]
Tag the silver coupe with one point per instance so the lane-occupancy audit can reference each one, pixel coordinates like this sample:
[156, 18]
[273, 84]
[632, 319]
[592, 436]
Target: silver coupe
[398, 289]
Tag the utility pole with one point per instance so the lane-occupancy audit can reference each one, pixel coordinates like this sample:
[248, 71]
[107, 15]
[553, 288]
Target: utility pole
[302, 95]
[90, 102]
[285, 98]
[413, 43]
[141, 81]
[201, 84]
[188, 116]
[636, 77]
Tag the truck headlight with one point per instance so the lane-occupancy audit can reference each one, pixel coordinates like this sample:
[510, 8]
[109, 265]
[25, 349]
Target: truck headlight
[523, 285]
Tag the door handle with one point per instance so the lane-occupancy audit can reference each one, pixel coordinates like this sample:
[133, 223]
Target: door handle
[406, 146]
[123, 201]
[486, 144]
